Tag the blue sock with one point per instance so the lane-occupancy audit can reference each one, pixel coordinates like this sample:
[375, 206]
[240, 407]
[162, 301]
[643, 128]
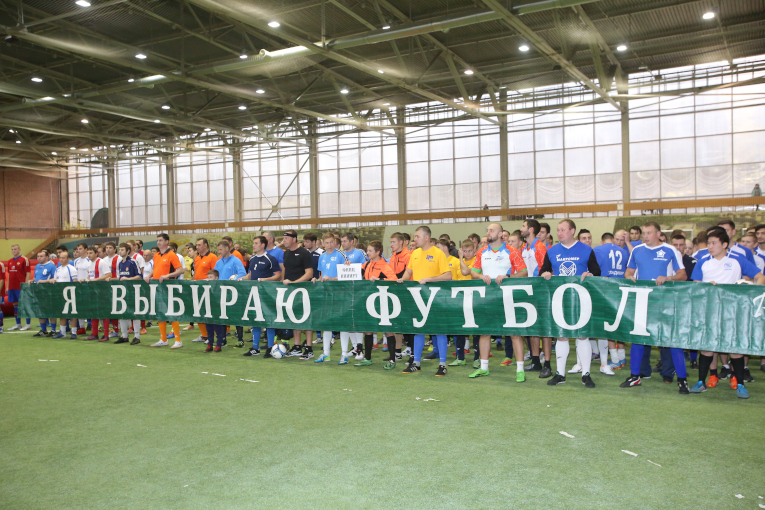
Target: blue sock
[419, 343]
[44, 326]
[270, 336]
[255, 338]
[16, 312]
[636, 358]
[678, 359]
[442, 348]
[694, 355]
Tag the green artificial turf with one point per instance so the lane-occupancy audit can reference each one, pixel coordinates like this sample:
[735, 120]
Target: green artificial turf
[94, 430]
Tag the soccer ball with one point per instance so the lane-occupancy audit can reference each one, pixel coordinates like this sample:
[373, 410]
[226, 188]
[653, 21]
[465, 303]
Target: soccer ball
[278, 351]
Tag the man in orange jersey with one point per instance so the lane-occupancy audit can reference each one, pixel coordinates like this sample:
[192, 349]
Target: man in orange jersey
[399, 259]
[203, 263]
[167, 267]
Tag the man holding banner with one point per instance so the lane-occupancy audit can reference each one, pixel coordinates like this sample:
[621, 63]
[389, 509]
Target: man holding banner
[298, 268]
[167, 267]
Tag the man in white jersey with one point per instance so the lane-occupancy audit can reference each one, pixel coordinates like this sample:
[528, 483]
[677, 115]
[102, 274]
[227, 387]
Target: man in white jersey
[148, 268]
[81, 265]
[533, 252]
[65, 273]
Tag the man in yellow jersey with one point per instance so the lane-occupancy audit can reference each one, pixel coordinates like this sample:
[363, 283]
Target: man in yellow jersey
[426, 264]
[167, 266]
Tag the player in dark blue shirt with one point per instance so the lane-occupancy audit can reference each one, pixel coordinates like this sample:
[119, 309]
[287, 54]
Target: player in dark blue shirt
[127, 269]
[262, 268]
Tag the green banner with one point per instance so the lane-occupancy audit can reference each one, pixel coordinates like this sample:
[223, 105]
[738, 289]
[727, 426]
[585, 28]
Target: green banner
[722, 318]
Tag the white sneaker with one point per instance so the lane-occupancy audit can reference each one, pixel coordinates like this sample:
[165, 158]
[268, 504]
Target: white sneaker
[25, 328]
[159, 344]
[14, 328]
[406, 352]
[576, 369]
[176, 345]
[359, 357]
[527, 356]
[605, 369]
[199, 339]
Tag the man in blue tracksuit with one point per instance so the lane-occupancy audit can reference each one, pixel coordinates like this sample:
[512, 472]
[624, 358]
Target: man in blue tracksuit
[228, 268]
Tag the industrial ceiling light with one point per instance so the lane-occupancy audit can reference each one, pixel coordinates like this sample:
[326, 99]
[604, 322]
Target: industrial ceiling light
[468, 72]
[37, 80]
[208, 129]
[11, 131]
[274, 24]
[708, 15]
[242, 107]
[131, 80]
[343, 91]
[72, 148]
[386, 104]
[140, 56]
[243, 56]
[84, 121]
[260, 91]
[523, 47]
[18, 141]
[386, 27]
[54, 153]
[381, 71]
[156, 121]
[165, 106]
[621, 47]
[82, 3]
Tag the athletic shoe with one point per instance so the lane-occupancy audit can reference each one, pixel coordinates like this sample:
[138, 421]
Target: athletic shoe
[406, 352]
[733, 382]
[713, 380]
[268, 354]
[92, 337]
[499, 346]
[557, 379]
[159, 344]
[239, 344]
[411, 368]
[457, 363]
[644, 376]
[104, 339]
[694, 364]
[295, 351]
[122, 340]
[73, 336]
[375, 346]
[390, 365]
[114, 334]
[595, 356]
[307, 355]
[209, 348]
[477, 363]
[725, 373]
[615, 366]
[606, 369]
[188, 328]
[385, 348]
[658, 367]
[130, 331]
[631, 382]
[40, 333]
[26, 328]
[252, 352]
[322, 358]
[576, 369]
[682, 387]
[441, 371]
[135, 341]
[545, 373]
[14, 328]
[505, 362]
[520, 376]
[741, 391]
[587, 381]
[217, 349]
[533, 368]
[480, 372]
[143, 331]
[623, 362]
[149, 324]
[527, 356]
[200, 338]
[81, 331]
[170, 335]
[177, 345]
[363, 363]
[430, 356]
[668, 379]
[58, 335]
[343, 360]
[748, 376]
[699, 387]
[541, 357]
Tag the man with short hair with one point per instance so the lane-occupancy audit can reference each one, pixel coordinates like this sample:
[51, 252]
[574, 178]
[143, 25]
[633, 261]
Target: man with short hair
[18, 273]
[759, 231]
[167, 266]
[467, 258]
[204, 261]
[544, 234]
[273, 250]
[636, 234]
[515, 240]
[749, 241]
[113, 259]
[612, 260]
[65, 273]
[570, 258]
[81, 265]
[354, 256]
[533, 252]
[311, 243]
[373, 270]
[730, 228]
[98, 270]
[585, 236]
[298, 268]
[263, 268]
[328, 262]
[505, 237]
[621, 238]
[127, 270]
[44, 270]
[399, 260]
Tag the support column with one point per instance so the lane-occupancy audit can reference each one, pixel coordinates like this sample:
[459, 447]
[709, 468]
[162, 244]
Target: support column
[64, 198]
[170, 181]
[236, 161]
[504, 185]
[401, 156]
[625, 156]
[111, 192]
[313, 169]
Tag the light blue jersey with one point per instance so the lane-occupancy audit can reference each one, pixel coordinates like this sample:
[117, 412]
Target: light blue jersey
[356, 256]
[328, 263]
[45, 271]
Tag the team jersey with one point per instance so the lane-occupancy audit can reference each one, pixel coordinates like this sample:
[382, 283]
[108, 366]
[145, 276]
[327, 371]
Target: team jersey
[277, 253]
[165, 263]
[113, 262]
[128, 269]
[315, 256]
[297, 263]
[574, 260]
[378, 269]
[17, 272]
[58, 262]
[612, 260]
[189, 263]
[454, 266]
[66, 274]
[701, 254]
[182, 263]
[229, 268]
[727, 270]
[98, 268]
[650, 263]
[760, 251]
[263, 266]
[636, 243]
[328, 263]
[399, 261]
[759, 261]
[202, 265]
[505, 260]
[45, 271]
[746, 252]
[356, 256]
[81, 265]
[139, 261]
[533, 256]
[148, 267]
[427, 263]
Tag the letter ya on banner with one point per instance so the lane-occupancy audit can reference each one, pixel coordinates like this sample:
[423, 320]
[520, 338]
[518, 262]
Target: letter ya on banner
[641, 311]
[175, 304]
[385, 314]
[510, 306]
[282, 305]
[467, 303]
[118, 297]
[424, 309]
[70, 300]
[585, 306]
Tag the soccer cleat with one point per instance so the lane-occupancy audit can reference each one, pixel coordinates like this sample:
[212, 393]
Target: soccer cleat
[122, 340]
[748, 376]
[114, 334]
[81, 331]
[725, 372]
[177, 345]
[200, 338]
[58, 335]
[159, 344]
[430, 356]
[14, 328]
[209, 348]
[91, 337]
[143, 331]
[545, 373]
[135, 341]
[682, 387]
[623, 362]
[39, 333]
[477, 363]
[631, 382]
[441, 371]
[576, 369]
[343, 360]
[520, 376]
[406, 352]
[73, 336]
[188, 328]
[505, 362]
[411, 368]
[363, 363]
[606, 369]
[390, 365]
[306, 355]
[217, 349]
[587, 381]
[694, 364]
[741, 391]
[533, 368]
[375, 347]
[615, 366]
[645, 376]
[50, 333]
[557, 379]
[385, 348]
[322, 358]
[148, 324]
[699, 387]
[26, 328]
[170, 335]
[252, 352]
[480, 372]
[733, 382]
[668, 379]
[268, 354]
[104, 339]
[295, 351]
[713, 380]
[457, 363]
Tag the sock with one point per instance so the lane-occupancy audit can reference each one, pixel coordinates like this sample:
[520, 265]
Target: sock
[443, 350]
[136, 329]
[309, 348]
[419, 343]
[345, 338]
[484, 364]
[704, 362]
[678, 359]
[62, 328]
[561, 355]
[547, 363]
[256, 338]
[535, 361]
[603, 349]
[16, 313]
[327, 341]
[368, 343]
[459, 343]
[614, 356]
[163, 332]
[712, 371]
[636, 358]
[694, 355]
[584, 348]
[177, 331]
[622, 354]
[44, 326]
[594, 345]
[519, 366]
[202, 329]
[738, 369]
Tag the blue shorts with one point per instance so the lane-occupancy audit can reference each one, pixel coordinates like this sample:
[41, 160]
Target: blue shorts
[13, 295]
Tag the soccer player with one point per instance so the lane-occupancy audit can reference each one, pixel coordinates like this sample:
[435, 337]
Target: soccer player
[81, 265]
[759, 231]
[399, 260]
[203, 263]
[263, 268]
[2, 300]
[328, 262]
[730, 229]
[375, 269]
[496, 262]
[612, 260]
[167, 266]
[585, 236]
[749, 241]
[148, 268]
[44, 270]
[274, 250]
[570, 258]
[533, 252]
[127, 269]
[113, 259]
[636, 234]
[219, 330]
[98, 271]
[721, 266]
[18, 273]
[652, 260]
[467, 261]
[311, 243]
[64, 273]
[298, 268]
[544, 235]
[426, 264]
[354, 256]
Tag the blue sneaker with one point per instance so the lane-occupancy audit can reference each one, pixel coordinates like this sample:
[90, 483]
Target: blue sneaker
[699, 387]
[741, 391]
[1, 330]
[58, 335]
[73, 337]
[114, 334]
[322, 359]
[343, 360]
[385, 347]
[614, 366]
[171, 335]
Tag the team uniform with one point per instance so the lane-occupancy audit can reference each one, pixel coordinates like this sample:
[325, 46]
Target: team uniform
[327, 266]
[44, 272]
[17, 269]
[315, 256]
[229, 268]
[612, 261]
[381, 270]
[128, 269]
[114, 262]
[165, 264]
[96, 269]
[398, 262]
[262, 266]
[65, 274]
[460, 341]
[573, 260]
[202, 266]
[278, 254]
[296, 263]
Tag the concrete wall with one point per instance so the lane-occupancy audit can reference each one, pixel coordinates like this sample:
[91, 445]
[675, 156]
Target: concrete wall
[30, 206]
